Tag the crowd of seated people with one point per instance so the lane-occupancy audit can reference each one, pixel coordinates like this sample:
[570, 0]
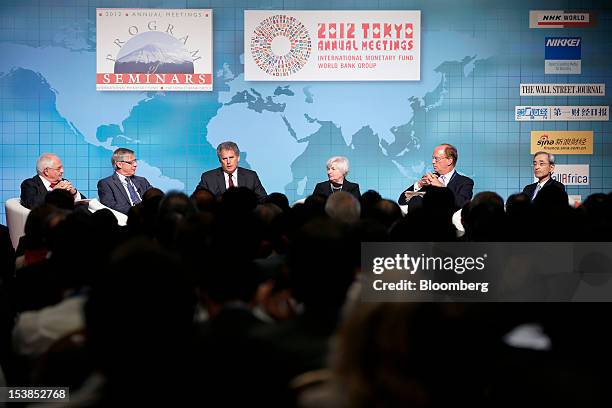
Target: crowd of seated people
[230, 301]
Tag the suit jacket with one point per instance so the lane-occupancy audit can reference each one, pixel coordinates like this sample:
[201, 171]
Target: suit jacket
[461, 186]
[112, 194]
[324, 188]
[33, 192]
[214, 181]
[530, 188]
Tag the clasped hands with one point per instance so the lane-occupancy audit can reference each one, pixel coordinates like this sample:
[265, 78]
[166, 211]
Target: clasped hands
[430, 179]
[66, 185]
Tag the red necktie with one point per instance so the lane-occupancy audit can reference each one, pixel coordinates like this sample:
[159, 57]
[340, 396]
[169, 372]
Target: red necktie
[231, 180]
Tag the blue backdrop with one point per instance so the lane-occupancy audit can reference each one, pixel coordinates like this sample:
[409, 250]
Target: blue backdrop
[474, 56]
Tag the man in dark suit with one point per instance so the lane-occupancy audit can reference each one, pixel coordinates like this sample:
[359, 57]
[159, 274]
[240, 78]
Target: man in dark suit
[543, 167]
[50, 176]
[337, 169]
[444, 160]
[123, 189]
[217, 181]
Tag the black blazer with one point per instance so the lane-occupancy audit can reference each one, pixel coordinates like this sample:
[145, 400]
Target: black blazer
[461, 186]
[530, 188]
[324, 188]
[33, 192]
[214, 181]
[112, 194]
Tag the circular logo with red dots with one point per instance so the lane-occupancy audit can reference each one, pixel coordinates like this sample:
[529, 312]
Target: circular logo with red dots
[281, 45]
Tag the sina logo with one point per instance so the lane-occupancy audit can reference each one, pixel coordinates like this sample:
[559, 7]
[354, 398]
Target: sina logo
[545, 141]
[154, 53]
[281, 45]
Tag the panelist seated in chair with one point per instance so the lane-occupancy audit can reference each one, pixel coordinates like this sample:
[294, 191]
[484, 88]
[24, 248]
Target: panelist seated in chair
[337, 169]
[123, 189]
[543, 168]
[443, 160]
[50, 172]
[219, 180]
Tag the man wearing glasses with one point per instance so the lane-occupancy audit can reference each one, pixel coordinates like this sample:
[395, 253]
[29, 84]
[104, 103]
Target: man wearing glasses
[123, 189]
[50, 172]
[444, 160]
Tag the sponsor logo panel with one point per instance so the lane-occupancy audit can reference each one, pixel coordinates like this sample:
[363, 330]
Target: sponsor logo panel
[563, 89]
[569, 113]
[562, 141]
[562, 55]
[571, 174]
[560, 19]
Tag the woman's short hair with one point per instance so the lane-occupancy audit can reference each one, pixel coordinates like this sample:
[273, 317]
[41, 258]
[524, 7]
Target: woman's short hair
[341, 163]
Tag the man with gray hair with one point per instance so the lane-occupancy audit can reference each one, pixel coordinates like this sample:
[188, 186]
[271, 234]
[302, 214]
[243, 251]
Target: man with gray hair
[50, 172]
[343, 207]
[123, 189]
[543, 167]
[217, 181]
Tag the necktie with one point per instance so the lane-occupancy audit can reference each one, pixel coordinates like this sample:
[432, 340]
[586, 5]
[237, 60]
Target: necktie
[133, 195]
[535, 193]
[231, 180]
[442, 180]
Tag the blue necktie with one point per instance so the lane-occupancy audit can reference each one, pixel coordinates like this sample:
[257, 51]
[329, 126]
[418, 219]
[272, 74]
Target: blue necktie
[132, 190]
[535, 193]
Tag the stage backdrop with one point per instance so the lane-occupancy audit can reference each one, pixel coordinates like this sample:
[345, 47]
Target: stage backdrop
[474, 56]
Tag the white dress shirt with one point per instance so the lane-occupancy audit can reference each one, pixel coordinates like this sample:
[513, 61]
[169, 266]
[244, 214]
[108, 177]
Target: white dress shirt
[47, 184]
[234, 178]
[124, 182]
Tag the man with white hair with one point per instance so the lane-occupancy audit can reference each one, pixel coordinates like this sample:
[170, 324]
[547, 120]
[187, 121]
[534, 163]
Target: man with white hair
[50, 172]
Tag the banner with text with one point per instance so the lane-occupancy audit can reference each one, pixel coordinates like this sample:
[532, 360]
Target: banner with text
[539, 113]
[560, 19]
[332, 45]
[562, 141]
[571, 174]
[563, 55]
[563, 89]
[154, 49]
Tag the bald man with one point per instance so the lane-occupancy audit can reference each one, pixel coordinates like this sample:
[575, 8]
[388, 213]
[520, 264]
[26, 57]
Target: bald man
[50, 172]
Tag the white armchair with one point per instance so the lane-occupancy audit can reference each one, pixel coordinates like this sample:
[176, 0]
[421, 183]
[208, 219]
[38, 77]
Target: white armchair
[95, 205]
[16, 216]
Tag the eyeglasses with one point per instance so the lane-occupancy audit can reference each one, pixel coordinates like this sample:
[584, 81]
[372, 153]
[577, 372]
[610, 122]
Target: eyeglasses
[437, 159]
[55, 168]
[132, 162]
